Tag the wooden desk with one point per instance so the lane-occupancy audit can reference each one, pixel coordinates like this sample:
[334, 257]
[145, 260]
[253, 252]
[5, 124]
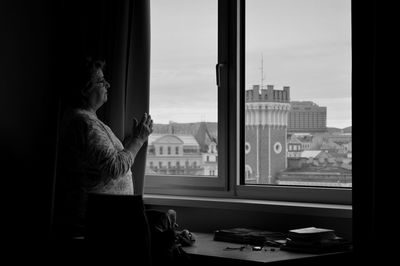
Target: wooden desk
[208, 252]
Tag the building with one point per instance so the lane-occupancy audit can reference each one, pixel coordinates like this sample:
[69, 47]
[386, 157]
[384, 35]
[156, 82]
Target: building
[208, 147]
[210, 160]
[174, 155]
[344, 140]
[306, 116]
[339, 142]
[294, 148]
[303, 140]
[317, 168]
[266, 114]
[324, 179]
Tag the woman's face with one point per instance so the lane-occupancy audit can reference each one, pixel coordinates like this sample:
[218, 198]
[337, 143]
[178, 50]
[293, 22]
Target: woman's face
[97, 94]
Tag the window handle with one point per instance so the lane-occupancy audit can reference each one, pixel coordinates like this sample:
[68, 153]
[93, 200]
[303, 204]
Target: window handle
[218, 69]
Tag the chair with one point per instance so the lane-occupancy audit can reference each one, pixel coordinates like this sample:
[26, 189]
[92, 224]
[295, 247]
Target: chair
[117, 225]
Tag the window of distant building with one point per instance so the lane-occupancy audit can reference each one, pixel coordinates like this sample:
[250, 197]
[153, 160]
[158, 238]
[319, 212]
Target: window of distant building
[247, 147]
[248, 172]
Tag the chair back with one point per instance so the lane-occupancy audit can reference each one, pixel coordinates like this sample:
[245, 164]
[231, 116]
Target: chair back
[118, 224]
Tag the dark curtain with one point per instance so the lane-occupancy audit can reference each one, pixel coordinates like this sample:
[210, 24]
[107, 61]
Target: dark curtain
[119, 32]
[28, 115]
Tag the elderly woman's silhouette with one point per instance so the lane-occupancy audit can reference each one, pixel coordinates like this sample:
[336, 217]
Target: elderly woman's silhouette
[91, 158]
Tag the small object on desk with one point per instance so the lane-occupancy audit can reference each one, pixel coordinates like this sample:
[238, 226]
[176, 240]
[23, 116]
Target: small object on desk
[275, 243]
[257, 248]
[185, 238]
[235, 248]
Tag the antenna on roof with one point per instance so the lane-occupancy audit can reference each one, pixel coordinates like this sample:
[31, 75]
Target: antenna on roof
[202, 118]
[262, 72]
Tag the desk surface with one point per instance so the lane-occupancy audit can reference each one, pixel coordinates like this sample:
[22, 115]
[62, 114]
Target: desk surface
[206, 246]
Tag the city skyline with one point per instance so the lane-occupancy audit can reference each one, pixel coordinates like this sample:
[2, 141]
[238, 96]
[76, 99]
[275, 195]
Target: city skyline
[305, 45]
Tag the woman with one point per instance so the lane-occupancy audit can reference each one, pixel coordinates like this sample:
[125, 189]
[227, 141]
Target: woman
[91, 157]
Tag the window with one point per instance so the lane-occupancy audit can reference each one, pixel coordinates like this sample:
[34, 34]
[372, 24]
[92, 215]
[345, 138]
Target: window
[246, 74]
[247, 147]
[303, 53]
[248, 172]
[185, 100]
[169, 150]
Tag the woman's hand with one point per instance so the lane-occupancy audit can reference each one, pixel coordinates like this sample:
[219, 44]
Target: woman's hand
[142, 130]
[140, 133]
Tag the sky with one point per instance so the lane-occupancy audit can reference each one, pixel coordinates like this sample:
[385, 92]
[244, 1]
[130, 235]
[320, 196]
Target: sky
[303, 44]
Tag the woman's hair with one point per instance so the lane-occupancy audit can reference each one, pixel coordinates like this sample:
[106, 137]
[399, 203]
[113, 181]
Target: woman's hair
[89, 67]
[81, 81]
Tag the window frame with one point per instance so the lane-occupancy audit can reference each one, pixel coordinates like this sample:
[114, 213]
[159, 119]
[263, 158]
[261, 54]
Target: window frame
[205, 185]
[230, 182]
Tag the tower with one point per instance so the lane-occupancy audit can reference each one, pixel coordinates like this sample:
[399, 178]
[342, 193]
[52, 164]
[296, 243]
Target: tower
[266, 123]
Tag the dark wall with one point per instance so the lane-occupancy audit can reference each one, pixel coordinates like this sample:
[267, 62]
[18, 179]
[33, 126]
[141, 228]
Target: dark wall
[40, 44]
[28, 117]
[364, 111]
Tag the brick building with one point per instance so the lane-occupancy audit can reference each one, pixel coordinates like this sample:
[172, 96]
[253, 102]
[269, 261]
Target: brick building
[266, 113]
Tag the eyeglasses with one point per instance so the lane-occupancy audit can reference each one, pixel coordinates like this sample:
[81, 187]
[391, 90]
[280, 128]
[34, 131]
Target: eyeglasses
[102, 82]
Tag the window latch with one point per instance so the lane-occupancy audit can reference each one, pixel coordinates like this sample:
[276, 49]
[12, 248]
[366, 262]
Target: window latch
[218, 69]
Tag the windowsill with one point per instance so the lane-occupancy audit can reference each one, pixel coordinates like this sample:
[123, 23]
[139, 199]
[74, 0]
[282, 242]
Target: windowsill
[283, 207]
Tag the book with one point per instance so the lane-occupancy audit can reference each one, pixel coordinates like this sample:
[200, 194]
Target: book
[331, 245]
[314, 240]
[311, 234]
[249, 236]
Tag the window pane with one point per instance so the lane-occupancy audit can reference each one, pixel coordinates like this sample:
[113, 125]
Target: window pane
[298, 93]
[183, 99]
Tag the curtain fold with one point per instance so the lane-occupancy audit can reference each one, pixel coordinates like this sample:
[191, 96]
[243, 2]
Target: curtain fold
[122, 37]
[138, 80]
[119, 32]
[125, 44]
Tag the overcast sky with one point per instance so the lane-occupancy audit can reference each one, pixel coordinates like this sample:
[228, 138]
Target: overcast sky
[304, 44]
